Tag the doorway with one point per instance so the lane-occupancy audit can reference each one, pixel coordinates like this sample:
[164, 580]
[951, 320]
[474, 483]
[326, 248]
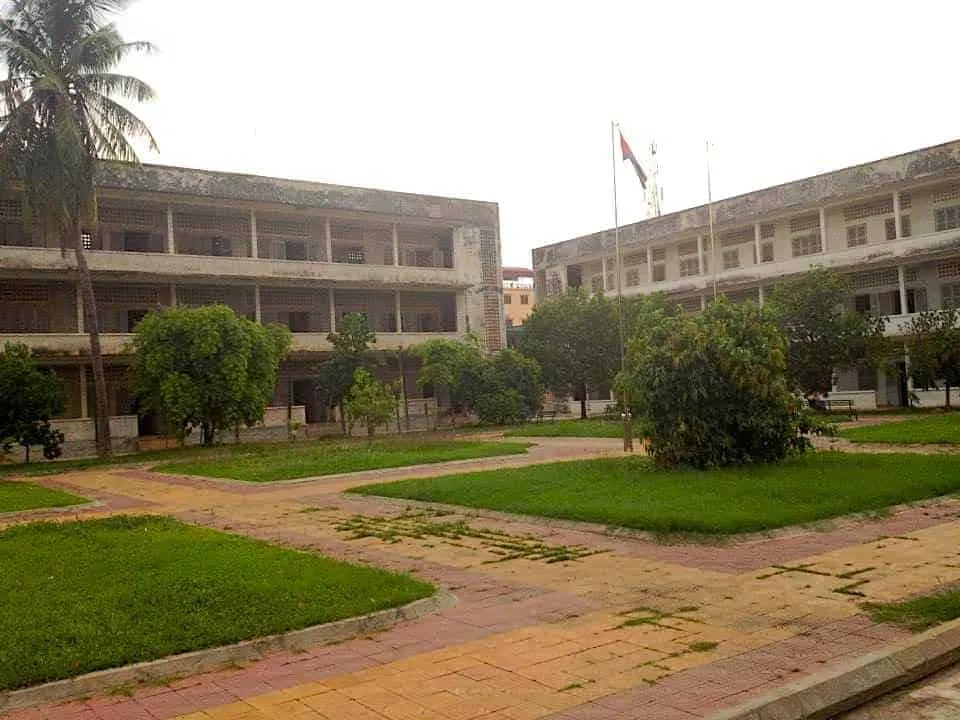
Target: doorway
[305, 393]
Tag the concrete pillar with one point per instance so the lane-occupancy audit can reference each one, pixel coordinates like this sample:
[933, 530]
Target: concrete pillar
[254, 251]
[396, 310]
[823, 230]
[896, 214]
[603, 271]
[702, 267]
[171, 241]
[173, 294]
[703, 302]
[463, 324]
[80, 323]
[328, 241]
[256, 304]
[882, 387]
[650, 265]
[84, 413]
[902, 282]
[760, 295]
[396, 248]
[332, 301]
[756, 248]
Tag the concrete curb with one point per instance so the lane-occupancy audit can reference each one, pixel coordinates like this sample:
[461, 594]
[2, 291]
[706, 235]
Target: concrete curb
[837, 690]
[193, 663]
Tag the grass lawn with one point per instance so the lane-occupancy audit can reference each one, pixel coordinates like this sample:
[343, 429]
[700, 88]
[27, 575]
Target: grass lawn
[285, 461]
[17, 496]
[942, 428]
[83, 596]
[920, 613]
[592, 427]
[629, 492]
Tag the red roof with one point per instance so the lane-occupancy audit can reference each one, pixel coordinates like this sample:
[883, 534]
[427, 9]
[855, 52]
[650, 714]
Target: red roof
[515, 273]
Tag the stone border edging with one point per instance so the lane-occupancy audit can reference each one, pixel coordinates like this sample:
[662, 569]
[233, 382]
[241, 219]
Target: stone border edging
[29, 512]
[193, 663]
[827, 693]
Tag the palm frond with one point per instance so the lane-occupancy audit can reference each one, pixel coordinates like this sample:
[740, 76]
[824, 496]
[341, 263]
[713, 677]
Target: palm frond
[120, 122]
[111, 84]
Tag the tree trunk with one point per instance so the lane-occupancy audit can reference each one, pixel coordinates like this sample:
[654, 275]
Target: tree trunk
[948, 396]
[583, 402]
[26, 454]
[343, 419]
[101, 417]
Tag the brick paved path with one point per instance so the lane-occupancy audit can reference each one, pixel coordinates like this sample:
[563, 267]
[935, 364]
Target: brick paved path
[555, 620]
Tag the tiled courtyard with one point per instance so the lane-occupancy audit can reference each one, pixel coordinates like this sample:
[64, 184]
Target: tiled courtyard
[554, 620]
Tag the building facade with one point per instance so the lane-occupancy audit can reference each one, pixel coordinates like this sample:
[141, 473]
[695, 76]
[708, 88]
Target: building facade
[893, 225]
[518, 297]
[299, 253]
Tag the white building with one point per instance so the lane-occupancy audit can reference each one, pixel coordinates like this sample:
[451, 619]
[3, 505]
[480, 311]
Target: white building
[892, 224]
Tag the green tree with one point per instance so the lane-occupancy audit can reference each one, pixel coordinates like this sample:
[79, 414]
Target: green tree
[514, 372]
[457, 365]
[351, 351]
[206, 368]
[370, 401]
[575, 340]
[29, 399]
[711, 390]
[59, 114]
[935, 350]
[823, 335]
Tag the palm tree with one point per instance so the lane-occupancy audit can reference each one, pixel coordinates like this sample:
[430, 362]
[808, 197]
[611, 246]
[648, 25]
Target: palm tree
[58, 117]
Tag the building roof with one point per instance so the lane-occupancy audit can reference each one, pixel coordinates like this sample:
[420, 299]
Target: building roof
[824, 189]
[298, 193]
[515, 273]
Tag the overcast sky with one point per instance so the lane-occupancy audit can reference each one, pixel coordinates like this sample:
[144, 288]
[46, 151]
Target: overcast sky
[511, 101]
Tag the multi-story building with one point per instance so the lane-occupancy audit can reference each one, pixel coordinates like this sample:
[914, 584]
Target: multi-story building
[299, 253]
[517, 295]
[893, 225]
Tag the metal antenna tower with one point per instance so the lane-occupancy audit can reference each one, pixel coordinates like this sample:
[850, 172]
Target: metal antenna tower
[654, 193]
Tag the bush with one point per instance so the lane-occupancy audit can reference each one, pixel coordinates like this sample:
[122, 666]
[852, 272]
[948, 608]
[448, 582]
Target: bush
[712, 390]
[504, 407]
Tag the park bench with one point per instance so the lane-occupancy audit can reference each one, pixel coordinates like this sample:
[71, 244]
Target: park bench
[546, 414]
[844, 406]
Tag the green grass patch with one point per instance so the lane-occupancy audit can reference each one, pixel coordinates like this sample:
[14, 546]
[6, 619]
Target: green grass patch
[630, 492]
[85, 596]
[266, 463]
[942, 428]
[592, 427]
[17, 496]
[920, 613]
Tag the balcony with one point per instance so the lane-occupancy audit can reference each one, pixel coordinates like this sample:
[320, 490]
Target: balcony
[78, 344]
[128, 265]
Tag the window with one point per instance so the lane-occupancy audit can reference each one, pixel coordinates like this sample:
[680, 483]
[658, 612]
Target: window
[950, 296]
[221, 247]
[731, 259]
[856, 235]
[137, 242]
[806, 244]
[507, 299]
[596, 284]
[659, 273]
[296, 250]
[687, 248]
[767, 231]
[134, 317]
[659, 254]
[87, 239]
[905, 229]
[298, 322]
[688, 266]
[916, 300]
[890, 225]
[861, 303]
[890, 229]
[524, 299]
[766, 252]
[355, 256]
[633, 277]
[947, 218]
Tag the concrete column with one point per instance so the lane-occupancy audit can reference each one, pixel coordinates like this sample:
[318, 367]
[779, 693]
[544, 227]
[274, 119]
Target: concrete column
[756, 246]
[703, 302]
[80, 323]
[902, 282]
[462, 320]
[881, 387]
[396, 248]
[906, 363]
[396, 310]
[760, 295]
[256, 304]
[332, 301]
[563, 279]
[700, 254]
[173, 294]
[171, 241]
[823, 230]
[650, 265]
[83, 392]
[603, 271]
[896, 214]
[254, 251]
[328, 240]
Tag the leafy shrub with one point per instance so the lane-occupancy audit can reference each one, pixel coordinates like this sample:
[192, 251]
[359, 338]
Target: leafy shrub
[504, 407]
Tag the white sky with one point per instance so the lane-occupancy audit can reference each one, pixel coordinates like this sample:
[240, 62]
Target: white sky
[511, 101]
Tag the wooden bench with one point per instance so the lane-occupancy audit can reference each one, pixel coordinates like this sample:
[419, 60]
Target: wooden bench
[845, 406]
[546, 414]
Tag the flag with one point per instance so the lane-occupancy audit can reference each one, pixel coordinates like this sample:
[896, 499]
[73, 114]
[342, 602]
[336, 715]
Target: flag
[628, 155]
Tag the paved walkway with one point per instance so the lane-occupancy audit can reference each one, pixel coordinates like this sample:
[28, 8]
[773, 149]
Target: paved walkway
[554, 620]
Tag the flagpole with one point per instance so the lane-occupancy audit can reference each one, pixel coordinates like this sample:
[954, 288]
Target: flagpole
[627, 425]
[713, 242]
